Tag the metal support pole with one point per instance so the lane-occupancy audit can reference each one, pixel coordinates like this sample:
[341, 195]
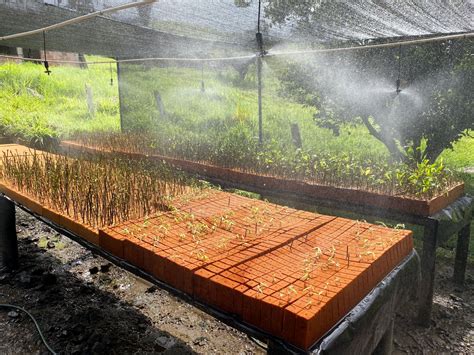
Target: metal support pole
[428, 266]
[8, 238]
[259, 84]
[119, 85]
[462, 250]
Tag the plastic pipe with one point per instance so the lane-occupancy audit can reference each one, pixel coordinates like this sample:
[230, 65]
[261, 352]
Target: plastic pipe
[77, 19]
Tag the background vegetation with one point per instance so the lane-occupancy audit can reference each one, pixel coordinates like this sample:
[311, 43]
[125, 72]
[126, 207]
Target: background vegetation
[35, 108]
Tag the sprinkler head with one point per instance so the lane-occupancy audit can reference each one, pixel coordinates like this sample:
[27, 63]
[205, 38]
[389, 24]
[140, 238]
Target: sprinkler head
[259, 38]
[46, 66]
[398, 87]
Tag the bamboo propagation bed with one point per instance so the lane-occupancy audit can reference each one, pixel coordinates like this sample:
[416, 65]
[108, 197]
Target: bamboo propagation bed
[415, 205]
[83, 195]
[290, 273]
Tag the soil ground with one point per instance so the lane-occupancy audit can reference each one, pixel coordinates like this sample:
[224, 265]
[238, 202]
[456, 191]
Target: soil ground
[86, 305]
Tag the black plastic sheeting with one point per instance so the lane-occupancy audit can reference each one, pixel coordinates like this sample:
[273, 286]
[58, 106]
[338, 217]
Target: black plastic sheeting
[361, 330]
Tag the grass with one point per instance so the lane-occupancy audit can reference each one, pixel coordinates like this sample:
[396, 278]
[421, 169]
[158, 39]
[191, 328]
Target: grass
[227, 109]
[34, 106]
[462, 156]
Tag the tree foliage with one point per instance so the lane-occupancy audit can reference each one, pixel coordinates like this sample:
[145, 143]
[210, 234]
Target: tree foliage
[433, 110]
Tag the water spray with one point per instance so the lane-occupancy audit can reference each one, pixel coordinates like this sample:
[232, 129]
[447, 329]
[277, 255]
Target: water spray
[398, 90]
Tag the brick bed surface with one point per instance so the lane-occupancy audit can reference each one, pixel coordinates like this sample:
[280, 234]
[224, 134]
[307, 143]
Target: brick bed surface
[291, 273]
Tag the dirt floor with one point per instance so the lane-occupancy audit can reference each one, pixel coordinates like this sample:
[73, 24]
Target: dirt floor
[86, 305]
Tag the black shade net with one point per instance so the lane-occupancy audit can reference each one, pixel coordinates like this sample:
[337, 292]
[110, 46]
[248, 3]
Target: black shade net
[199, 94]
[177, 27]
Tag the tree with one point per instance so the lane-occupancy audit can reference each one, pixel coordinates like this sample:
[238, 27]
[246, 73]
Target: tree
[433, 110]
[434, 107]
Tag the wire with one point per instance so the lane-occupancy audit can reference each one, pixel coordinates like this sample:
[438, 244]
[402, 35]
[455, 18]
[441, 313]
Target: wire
[77, 20]
[34, 321]
[274, 54]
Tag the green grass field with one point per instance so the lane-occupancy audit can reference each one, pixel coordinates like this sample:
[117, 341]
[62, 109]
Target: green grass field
[34, 106]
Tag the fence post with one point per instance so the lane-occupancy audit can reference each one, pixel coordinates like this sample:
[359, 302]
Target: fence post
[296, 135]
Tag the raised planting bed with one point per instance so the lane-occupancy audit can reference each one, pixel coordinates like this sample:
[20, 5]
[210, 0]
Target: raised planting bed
[82, 195]
[406, 205]
[88, 233]
[290, 273]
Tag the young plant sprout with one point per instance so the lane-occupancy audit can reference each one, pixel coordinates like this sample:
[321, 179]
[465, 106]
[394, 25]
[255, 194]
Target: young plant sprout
[309, 290]
[201, 255]
[97, 190]
[374, 174]
[261, 287]
[156, 241]
[222, 243]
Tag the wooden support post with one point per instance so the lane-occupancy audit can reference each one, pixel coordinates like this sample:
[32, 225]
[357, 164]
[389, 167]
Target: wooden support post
[296, 135]
[428, 258]
[90, 100]
[159, 103]
[8, 238]
[81, 57]
[462, 250]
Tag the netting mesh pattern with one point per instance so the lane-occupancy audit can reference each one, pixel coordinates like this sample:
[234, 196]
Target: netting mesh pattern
[166, 23]
[204, 110]
[233, 20]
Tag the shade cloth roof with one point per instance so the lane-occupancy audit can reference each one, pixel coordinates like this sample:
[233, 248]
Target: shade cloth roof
[187, 27]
